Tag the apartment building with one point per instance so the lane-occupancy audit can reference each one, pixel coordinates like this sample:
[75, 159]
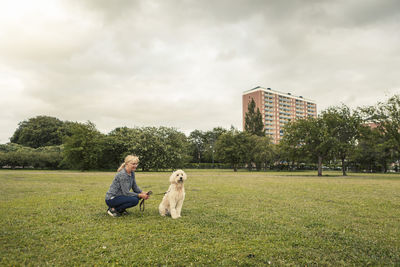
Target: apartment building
[277, 109]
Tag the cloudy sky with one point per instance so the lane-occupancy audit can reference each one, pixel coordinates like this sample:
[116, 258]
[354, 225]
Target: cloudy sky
[186, 63]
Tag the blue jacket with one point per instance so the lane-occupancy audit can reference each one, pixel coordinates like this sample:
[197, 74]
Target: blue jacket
[122, 184]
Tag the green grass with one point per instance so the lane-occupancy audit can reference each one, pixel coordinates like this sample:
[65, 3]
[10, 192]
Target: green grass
[229, 219]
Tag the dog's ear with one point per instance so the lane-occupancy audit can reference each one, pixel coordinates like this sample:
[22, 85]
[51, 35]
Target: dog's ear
[172, 178]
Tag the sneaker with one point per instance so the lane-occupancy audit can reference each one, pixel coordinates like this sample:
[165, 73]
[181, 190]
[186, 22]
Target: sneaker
[125, 212]
[112, 212]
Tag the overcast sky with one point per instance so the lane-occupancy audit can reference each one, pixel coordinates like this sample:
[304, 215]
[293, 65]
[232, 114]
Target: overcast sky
[186, 63]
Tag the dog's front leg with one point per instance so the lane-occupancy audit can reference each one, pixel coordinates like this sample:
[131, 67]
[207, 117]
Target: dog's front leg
[174, 212]
[179, 206]
[163, 207]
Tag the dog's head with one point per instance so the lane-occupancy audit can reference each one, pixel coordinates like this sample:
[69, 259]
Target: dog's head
[177, 177]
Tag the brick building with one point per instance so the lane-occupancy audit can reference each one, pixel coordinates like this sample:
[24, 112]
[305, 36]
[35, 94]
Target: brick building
[277, 109]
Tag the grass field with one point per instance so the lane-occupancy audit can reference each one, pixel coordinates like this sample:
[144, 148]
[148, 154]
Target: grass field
[229, 219]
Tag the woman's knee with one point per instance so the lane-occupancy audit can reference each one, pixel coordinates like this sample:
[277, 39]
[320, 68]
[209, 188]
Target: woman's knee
[134, 201]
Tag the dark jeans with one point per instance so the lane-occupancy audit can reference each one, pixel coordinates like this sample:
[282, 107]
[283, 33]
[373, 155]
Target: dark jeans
[120, 203]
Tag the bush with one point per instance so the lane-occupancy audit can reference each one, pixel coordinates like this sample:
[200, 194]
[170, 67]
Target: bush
[193, 165]
[21, 157]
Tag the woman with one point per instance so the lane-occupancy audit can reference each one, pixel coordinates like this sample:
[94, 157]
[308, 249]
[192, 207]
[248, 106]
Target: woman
[119, 197]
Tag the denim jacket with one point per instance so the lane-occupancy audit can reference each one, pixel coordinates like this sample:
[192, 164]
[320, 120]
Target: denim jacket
[122, 184]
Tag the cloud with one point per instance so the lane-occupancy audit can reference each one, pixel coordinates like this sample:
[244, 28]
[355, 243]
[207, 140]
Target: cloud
[185, 63]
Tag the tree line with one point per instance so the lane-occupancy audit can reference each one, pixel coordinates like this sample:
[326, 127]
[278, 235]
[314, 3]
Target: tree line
[363, 139]
[366, 138]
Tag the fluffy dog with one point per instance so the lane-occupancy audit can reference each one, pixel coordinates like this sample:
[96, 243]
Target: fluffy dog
[172, 202]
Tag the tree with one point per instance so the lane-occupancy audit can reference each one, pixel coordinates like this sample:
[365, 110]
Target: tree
[3, 159]
[202, 144]
[39, 131]
[253, 120]
[236, 147]
[176, 147]
[290, 151]
[311, 137]
[211, 138]
[261, 151]
[198, 143]
[83, 148]
[158, 148]
[387, 118]
[49, 157]
[116, 146]
[343, 126]
[144, 143]
[373, 151]
[233, 147]
[15, 155]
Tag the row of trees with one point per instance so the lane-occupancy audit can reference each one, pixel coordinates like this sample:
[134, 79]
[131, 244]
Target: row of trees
[338, 135]
[82, 146]
[365, 138]
[49, 157]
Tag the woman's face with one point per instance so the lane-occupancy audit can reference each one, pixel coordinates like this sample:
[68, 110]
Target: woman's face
[133, 165]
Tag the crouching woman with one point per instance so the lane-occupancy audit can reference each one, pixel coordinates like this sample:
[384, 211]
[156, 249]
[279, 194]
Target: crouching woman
[119, 197]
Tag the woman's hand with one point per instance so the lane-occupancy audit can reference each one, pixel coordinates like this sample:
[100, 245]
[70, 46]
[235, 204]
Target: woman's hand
[144, 195]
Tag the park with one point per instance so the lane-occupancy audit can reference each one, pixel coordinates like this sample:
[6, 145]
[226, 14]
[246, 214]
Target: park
[229, 218]
[249, 202]
[284, 115]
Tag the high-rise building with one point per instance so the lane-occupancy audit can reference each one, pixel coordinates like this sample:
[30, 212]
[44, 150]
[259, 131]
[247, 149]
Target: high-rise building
[277, 109]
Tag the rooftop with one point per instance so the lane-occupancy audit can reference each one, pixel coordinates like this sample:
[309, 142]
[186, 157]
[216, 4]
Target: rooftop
[259, 88]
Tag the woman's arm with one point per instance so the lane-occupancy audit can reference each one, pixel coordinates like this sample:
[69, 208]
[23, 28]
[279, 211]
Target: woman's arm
[125, 186]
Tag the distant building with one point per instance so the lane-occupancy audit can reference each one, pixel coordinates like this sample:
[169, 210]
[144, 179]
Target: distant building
[278, 109]
[372, 125]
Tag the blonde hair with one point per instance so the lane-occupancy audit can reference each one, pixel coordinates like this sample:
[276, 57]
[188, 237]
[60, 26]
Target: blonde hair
[128, 159]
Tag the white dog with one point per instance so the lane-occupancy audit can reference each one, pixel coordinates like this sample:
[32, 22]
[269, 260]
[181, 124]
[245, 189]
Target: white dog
[172, 202]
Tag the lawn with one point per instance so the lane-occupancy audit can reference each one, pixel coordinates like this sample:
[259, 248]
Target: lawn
[231, 219]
